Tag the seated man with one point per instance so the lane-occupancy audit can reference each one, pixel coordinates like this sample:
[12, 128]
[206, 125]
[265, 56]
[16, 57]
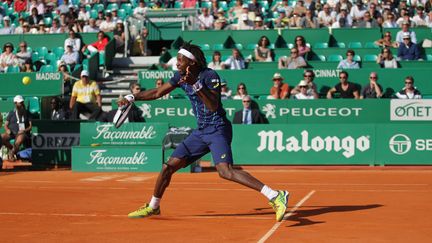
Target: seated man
[134, 115]
[85, 97]
[345, 89]
[248, 115]
[407, 49]
[18, 126]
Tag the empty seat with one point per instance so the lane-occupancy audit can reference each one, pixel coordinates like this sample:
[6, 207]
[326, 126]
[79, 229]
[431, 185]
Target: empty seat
[371, 45]
[58, 51]
[47, 69]
[334, 58]
[355, 45]
[218, 47]
[320, 45]
[340, 45]
[370, 58]
[12, 69]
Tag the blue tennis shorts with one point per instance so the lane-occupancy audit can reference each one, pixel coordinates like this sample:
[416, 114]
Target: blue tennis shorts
[214, 139]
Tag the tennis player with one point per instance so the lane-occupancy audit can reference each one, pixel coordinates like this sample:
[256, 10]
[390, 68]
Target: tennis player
[213, 134]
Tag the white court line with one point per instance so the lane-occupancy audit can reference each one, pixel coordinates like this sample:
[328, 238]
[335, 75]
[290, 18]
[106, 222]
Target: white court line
[135, 178]
[287, 215]
[101, 178]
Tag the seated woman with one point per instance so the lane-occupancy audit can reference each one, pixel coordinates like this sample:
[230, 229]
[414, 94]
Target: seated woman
[28, 66]
[262, 52]
[216, 63]
[99, 45]
[18, 126]
[300, 44]
[241, 92]
[387, 41]
[386, 59]
[7, 58]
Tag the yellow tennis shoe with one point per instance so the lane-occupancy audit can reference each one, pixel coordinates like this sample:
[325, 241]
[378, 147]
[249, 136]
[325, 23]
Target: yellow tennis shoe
[144, 211]
[279, 204]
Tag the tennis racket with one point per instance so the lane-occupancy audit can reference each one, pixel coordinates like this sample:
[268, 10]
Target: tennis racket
[123, 115]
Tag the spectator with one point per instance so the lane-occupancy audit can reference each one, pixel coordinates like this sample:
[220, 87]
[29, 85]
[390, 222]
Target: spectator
[39, 5]
[18, 126]
[311, 90]
[221, 24]
[55, 27]
[294, 21]
[343, 19]
[91, 27]
[23, 54]
[374, 89]
[83, 14]
[225, 91]
[7, 58]
[67, 82]
[108, 25]
[303, 94]
[34, 18]
[57, 112]
[387, 41]
[205, 19]
[386, 59]
[390, 21]
[259, 24]
[367, 21]
[99, 45]
[20, 28]
[189, 3]
[99, 19]
[114, 14]
[245, 23]
[349, 62]
[343, 4]
[262, 52]
[299, 9]
[119, 36]
[20, 6]
[408, 50]
[135, 88]
[41, 28]
[27, 67]
[420, 19]
[405, 29]
[409, 91]
[279, 90]
[73, 40]
[300, 44]
[284, 7]
[429, 20]
[292, 62]
[236, 11]
[373, 11]
[159, 83]
[71, 16]
[85, 97]
[140, 11]
[326, 17]
[142, 41]
[309, 20]
[7, 28]
[216, 63]
[134, 115]
[358, 11]
[248, 115]
[70, 57]
[235, 61]
[255, 9]
[282, 21]
[345, 89]
[64, 8]
[241, 92]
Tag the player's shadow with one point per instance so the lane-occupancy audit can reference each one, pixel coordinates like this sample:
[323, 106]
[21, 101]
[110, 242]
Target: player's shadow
[302, 215]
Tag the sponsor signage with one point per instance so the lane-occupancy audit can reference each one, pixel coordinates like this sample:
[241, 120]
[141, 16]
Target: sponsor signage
[411, 110]
[404, 143]
[128, 134]
[117, 159]
[54, 141]
[300, 144]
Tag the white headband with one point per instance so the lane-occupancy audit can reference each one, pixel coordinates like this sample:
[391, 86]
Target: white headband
[187, 54]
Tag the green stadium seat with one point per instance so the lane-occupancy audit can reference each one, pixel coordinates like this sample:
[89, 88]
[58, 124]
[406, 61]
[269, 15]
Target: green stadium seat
[48, 21]
[321, 57]
[357, 58]
[251, 46]
[58, 51]
[370, 58]
[264, 5]
[218, 47]
[122, 14]
[34, 105]
[47, 69]
[355, 45]
[320, 45]
[24, 14]
[101, 58]
[51, 58]
[223, 5]
[93, 14]
[98, 7]
[35, 56]
[205, 47]
[371, 45]
[112, 6]
[334, 58]
[429, 57]
[127, 7]
[340, 45]
[87, 7]
[206, 4]
[42, 51]
[178, 5]
[13, 69]
[238, 46]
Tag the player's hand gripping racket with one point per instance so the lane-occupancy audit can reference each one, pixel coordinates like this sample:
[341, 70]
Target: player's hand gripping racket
[125, 109]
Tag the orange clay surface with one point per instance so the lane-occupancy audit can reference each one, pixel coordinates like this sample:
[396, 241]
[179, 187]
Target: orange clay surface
[326, 205]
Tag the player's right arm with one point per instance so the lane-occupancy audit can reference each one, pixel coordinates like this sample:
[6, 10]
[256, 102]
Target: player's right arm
[153, 94]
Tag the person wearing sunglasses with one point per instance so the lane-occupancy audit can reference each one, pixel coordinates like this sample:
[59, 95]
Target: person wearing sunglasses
[387, 41]
[408, 50]
[303, 94]
[409, 91]
[294, 61]
[311, 89]
[386, 60]
[248, 115]
[374, 89]
[345, 89]
[349, 62]
[280, 90]
[241, 92]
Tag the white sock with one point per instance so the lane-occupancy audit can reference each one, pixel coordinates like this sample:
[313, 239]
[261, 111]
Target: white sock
[154, 202]
[268, 192]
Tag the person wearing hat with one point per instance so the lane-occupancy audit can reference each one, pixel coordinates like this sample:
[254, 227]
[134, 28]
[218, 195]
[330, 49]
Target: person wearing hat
[225, 91]
[108, 25]
[7, 28]
[408, 50]
[259, 24]
[308, 77]
[41, 27]
[18, 126]
[303, 94]
[244, 23]
[279, 90]
[70, 57]
[85, 98]
[114, 15]
[249, 114]
[406, 29]
[7, 58]
[220, 23]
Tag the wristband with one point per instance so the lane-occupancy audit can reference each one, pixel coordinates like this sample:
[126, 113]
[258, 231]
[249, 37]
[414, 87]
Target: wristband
[197, 86]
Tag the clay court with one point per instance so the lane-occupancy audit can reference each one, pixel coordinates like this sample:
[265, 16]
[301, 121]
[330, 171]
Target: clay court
[369, 204]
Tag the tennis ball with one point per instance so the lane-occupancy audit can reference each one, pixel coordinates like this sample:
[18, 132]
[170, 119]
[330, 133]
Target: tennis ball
[26, 80]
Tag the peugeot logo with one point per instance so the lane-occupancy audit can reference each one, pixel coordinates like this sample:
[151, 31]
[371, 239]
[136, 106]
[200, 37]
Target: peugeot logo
[400, 144]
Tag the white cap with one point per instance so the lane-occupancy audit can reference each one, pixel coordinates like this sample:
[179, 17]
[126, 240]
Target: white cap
[406, 35]
[245, 17]
[6, 18]
[119, 21]
[302, 83]
[258, 19]
[84, 73]
[277, 76]
[18, 99]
